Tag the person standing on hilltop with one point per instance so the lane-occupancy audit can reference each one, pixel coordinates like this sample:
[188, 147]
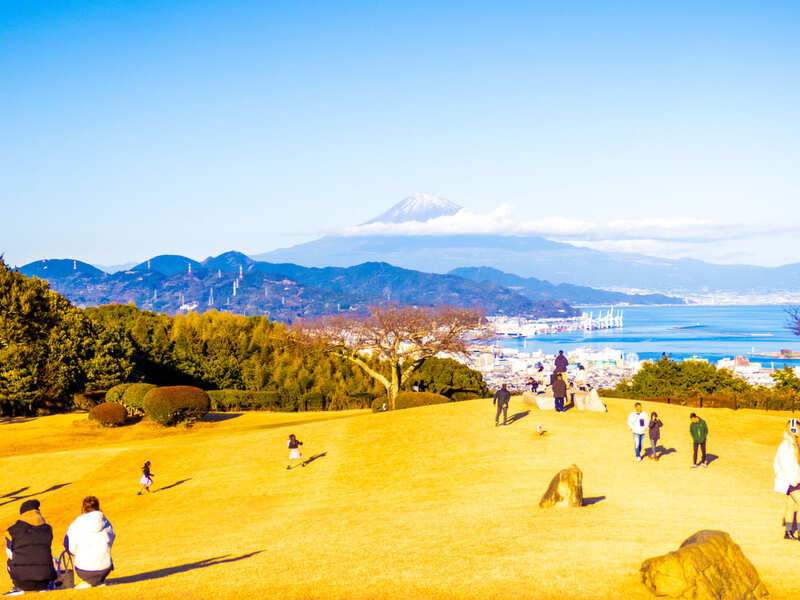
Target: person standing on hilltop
[501, 398]
[638, 423]
[787, 477]
[654, 433]
[559, 391]
[699, 431]
[561, 362]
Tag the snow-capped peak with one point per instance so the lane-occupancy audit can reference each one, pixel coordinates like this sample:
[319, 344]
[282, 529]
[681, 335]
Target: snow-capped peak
[417, 207]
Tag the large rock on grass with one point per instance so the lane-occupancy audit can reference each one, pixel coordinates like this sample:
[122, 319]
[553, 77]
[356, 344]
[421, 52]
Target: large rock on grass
[565, 489]
[540, 401]
[589, 401]
[707, 566]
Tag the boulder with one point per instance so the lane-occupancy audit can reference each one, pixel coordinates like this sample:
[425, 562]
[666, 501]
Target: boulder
[565, 489]
[706, 566]
[540, 401]
[589, 401]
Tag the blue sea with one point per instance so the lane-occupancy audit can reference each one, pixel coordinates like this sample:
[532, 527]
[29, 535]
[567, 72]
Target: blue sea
[711, 332]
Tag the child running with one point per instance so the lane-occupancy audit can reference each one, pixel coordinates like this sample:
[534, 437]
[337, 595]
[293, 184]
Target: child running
[147, 478]
[294, 450]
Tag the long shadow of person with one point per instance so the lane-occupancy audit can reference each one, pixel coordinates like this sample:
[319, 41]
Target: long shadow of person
[517, 416]
[15, 496]
[200, 564]
[172, 485]
[313, 458]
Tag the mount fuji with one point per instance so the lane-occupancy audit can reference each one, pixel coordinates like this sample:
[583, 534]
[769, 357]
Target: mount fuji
[417, 207]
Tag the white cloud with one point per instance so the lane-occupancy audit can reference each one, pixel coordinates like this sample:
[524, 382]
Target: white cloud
[669, 238]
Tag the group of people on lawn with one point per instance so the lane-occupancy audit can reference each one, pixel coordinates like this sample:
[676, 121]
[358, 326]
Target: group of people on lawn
[28, 547]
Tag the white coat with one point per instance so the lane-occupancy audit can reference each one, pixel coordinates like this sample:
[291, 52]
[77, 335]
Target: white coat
[787, 471]
[639, 422]
[90, 539]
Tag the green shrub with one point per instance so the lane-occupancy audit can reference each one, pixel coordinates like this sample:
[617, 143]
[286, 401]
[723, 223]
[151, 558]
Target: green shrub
[115, 393]
[447, 377]
[236, 400]
[412, 399]
[460, 396]
[176, 404]
[89, 399]
[109, 414]
[133, 397]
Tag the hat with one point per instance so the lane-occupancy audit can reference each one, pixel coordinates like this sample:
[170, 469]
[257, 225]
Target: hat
[29, 505]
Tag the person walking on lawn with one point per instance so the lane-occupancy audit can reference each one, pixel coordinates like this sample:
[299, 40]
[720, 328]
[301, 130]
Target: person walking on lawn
[699, 431]
[638, 423]
[294, 450]
[654, 433]
[559, 391]
[787, 477]
[501, 398]
[146, 479]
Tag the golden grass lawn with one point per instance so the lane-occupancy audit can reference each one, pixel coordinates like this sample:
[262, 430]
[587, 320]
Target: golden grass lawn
[432, 502]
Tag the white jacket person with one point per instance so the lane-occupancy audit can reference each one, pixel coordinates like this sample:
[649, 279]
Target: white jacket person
[787, 471]
[90, 539]
[638, 422]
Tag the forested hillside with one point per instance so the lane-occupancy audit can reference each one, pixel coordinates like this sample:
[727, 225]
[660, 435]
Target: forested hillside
[50, 349]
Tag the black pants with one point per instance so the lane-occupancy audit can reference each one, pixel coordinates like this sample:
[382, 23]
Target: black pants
[504, 409]
[701, 445]
[93, 577]
[31, 586]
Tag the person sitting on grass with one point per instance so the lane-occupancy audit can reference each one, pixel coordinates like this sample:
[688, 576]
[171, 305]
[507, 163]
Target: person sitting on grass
[147, 478]
[89, 539]
[28, 542]
[294, 450]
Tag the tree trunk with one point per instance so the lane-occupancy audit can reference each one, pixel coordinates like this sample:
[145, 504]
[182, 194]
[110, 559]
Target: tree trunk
[394, 389]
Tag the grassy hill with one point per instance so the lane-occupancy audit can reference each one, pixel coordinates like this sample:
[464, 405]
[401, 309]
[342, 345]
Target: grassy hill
[433, 502]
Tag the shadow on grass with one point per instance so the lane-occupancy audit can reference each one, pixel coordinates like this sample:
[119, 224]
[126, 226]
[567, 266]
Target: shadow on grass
[711, 458]
[660, 450]
[313, 458]
[302, 421]
[14, 420]
[517, 416]
[172, 485]
[200, 564]
[15, 496]
[593, 500]
[218, 417]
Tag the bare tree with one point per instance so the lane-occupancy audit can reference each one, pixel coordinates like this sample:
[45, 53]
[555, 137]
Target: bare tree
[403, 337]
[794, 319]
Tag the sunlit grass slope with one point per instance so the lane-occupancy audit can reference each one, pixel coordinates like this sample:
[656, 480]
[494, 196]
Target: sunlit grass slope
[433, 502]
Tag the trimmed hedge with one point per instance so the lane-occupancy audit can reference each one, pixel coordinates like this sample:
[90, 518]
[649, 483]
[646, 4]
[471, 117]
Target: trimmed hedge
[109, 414]
[115, 393]
[89, 399]
[176, 404]
[236, 400]
[412, 399]
[133, 397]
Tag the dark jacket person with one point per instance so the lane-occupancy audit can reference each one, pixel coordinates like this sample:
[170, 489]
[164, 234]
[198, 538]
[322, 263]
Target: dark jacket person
[559, 391]
[501, 398]
[28, 542]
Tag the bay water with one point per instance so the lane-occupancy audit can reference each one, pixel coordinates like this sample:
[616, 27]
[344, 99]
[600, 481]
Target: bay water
[710, 332]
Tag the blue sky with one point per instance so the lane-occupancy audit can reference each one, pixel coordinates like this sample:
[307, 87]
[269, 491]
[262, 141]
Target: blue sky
[129, 129]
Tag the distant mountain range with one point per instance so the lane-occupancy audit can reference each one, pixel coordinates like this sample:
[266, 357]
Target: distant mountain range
[573, 294]
[285, 292]
[528, 256]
